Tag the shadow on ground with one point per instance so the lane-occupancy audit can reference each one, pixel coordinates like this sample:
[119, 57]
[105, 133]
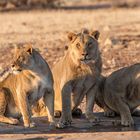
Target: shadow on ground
[79, 125]
[82, 7]
[90, 6]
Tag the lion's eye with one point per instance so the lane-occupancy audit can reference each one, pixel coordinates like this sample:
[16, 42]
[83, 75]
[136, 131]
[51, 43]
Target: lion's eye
[90, 44]
[18, 58]
[78, 45]
[21, 58]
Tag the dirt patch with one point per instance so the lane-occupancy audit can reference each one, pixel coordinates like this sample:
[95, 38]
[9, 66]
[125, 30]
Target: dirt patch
[80, 129]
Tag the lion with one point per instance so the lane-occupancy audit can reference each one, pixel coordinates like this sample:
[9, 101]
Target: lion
[87, 86]
[119, 93]
[30, 80]
[81, 60]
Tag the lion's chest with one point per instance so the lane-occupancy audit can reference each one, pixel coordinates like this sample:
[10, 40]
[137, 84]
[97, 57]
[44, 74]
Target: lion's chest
[39, 87]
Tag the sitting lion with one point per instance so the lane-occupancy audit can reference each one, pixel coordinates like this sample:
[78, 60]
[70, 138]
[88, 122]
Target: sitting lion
[81, 60]
[87, 86]
[30, 80]
[119, 93]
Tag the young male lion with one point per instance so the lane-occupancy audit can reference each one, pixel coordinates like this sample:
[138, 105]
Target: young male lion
[120, 93]
[82, 53]
[30, 80]
[87, 85]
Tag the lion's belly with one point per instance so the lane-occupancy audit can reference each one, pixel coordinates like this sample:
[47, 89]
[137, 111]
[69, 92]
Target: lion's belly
[111, 103]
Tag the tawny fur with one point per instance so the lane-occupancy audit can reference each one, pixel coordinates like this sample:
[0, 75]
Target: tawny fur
[70, 73]
[30, 80]
[5, 73]
[119, 93]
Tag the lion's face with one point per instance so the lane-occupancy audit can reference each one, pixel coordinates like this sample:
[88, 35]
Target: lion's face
[84, 47]
[23, 59]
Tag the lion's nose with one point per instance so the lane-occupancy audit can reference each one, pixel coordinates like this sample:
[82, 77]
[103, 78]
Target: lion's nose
[84, 54]
[12, 65]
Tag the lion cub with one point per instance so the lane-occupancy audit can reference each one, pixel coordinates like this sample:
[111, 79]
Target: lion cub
[120, 93]
[30, 80]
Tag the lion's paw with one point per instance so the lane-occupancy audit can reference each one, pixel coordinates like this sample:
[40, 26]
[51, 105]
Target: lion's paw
[14, 121]
[64, 124]
[30, 125]
[92, 118]
[52, 125]
[127, 122]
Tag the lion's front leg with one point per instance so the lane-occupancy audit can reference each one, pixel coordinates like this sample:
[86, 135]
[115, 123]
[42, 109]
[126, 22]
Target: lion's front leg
[25, 110]
[66, 117]
[49, 103]
[90, 99]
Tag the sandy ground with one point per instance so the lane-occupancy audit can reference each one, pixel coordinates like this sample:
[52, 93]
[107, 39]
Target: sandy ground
[47, 30]
[108, 128]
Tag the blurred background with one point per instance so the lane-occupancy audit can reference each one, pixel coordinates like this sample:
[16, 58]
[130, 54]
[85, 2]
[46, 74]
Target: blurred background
[45, 23]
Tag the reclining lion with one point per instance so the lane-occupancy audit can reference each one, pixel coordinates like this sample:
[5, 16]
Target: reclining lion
[119, 93]
[30, 80]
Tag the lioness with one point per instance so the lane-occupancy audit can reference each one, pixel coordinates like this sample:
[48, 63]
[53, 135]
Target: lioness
[30, 80]
[82, 53]
[120, 93]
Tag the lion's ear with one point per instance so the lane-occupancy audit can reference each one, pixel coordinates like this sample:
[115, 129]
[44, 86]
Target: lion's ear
[95, 34]
[16, 48]
[66, 47]
[85, 31]
[71, 36]
[28, 48]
